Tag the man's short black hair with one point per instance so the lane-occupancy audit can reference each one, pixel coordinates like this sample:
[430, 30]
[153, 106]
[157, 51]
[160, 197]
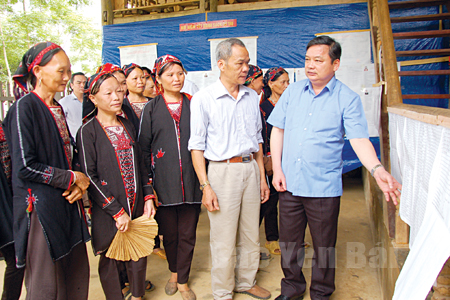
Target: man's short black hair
[335, 47]
[75, 74]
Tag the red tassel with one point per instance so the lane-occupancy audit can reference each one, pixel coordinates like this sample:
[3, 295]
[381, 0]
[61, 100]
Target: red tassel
[30, 201]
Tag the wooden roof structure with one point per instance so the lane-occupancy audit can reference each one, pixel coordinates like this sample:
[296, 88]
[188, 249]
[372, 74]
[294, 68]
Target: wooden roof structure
[128, 11]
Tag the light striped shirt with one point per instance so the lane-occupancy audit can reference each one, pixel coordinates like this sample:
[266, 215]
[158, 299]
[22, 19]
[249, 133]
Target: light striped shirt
[222, 126]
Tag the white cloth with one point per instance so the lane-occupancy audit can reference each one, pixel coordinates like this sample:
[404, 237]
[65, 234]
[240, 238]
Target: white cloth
[189, 87]
[73, 110]
[224, 127]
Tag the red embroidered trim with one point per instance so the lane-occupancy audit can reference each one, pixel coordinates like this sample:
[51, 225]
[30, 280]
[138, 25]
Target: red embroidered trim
[69, 161]
[2, 135]
[149, 197]
[188, 96]
[261, 99]
[38, 58]
[271, 102]
[176, 115]
[108, 201]
[130, 201]
[94, 81]
[71, 180]
[119, 214]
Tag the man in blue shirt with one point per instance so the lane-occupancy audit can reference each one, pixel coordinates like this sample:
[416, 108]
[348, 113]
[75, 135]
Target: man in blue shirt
[309, 124]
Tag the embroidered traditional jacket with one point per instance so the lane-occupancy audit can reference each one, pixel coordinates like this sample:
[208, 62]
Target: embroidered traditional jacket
[131, 114]
[164, 144]
[40, 174]
[100, 162]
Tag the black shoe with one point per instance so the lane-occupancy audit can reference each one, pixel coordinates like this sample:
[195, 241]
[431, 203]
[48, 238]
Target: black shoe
[283, 297]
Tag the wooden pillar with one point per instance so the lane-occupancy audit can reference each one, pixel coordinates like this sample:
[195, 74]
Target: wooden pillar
[392, 95]
[442, 288]
[213, 5]
[394, 91]
[107, 12]
[202, 6]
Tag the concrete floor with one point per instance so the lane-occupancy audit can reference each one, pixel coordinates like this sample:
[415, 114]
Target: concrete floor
[356, 273]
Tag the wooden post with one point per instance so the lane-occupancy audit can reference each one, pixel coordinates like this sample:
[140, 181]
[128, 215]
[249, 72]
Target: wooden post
[442, 287]
[394, 90]
[107, 12]
[213, 5]
[202, 6]
[392, 96]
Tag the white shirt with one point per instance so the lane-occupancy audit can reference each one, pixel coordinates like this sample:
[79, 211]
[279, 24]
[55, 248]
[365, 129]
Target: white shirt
[189, 87]
[73, 110]
[224, 127]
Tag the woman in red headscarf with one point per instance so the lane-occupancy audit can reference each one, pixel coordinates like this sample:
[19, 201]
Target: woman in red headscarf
[50, 230]
[136, 85]
[120, 189]
[164, 136]
[276, 80]
[150, 86]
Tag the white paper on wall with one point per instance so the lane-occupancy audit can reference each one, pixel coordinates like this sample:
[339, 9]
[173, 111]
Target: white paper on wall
[142, 55]
[203, 78]
[355, 45]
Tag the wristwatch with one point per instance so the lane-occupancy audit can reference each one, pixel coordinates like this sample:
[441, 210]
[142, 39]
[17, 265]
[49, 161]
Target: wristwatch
[372, 172]
[202, 186]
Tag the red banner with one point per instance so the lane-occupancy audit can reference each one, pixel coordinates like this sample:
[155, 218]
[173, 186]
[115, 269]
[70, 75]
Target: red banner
[208, 25]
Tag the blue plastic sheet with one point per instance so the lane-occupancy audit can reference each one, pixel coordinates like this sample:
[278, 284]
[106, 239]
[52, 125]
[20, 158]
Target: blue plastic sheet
[351, 161]
[282, 38]
[282, 33]
[422, 84]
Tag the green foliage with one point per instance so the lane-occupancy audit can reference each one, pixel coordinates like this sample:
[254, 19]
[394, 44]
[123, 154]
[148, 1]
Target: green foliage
[48, 20]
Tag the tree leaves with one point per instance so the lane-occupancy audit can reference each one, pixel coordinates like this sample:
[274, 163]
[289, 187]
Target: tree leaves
[48, 20]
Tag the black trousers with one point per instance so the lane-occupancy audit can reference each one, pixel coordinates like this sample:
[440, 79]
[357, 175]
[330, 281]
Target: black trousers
[110, 270]
[321, 214]
[178, 225]
[12, 282]
[269, 212]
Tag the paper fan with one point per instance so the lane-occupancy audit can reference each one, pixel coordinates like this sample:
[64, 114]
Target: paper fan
[137, 242]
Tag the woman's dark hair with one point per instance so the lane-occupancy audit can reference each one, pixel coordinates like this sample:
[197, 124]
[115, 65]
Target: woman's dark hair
[248, 83]
[266, 88]
[119, 71]
[335, 48]
[96, 87]
[163, 69]
[89, 109]
[146, 70]
[127, 69]
[45, 60]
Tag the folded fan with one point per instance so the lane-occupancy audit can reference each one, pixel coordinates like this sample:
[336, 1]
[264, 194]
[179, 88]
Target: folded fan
[137, 242]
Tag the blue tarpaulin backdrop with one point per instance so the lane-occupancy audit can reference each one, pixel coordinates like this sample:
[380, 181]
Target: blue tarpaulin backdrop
[282, 38]
[282, 33]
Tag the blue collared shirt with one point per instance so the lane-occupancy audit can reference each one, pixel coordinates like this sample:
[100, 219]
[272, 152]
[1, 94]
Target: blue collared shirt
[222, 126]
[314, 128]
